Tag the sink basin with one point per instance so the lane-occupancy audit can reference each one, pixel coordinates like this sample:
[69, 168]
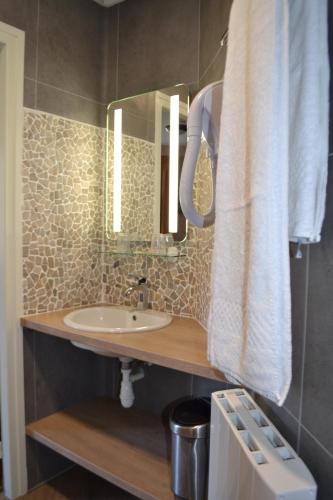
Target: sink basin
[112, 319]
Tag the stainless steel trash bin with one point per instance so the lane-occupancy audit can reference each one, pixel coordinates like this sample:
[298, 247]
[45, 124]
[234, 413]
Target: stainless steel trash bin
[189, 423]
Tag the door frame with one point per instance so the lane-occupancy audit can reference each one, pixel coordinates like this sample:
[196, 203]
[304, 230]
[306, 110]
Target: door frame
[11, 295]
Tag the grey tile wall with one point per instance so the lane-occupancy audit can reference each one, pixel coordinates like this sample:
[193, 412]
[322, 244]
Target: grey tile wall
[298, 277]
[53, 100]
[110, 55]
[64, 60]
[162, 387]
[215, 70]
[23, 15]
[214, 17]
[158, 44]
[43, 463]
[317, 401]
[330, 42]
[204, 387]
[57, 375]
[320, 463]
[80, 56]
[70, 38]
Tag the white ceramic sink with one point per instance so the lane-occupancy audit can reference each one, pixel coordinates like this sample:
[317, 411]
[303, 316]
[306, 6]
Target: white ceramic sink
[112, 319]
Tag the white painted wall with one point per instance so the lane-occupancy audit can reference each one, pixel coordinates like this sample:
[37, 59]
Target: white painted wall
[11, 341]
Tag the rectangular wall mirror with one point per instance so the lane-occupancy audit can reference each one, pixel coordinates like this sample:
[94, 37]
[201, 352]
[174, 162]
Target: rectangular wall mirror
[146, 140]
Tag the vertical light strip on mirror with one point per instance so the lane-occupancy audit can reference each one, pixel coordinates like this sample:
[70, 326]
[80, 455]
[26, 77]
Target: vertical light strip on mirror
[173, 164]
[118, 116]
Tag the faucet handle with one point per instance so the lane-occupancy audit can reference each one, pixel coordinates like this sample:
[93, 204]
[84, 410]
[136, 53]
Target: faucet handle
[141, 280]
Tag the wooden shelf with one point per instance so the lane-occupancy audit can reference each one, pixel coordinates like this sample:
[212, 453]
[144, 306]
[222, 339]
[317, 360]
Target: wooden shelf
[182, 345]
[127, 447]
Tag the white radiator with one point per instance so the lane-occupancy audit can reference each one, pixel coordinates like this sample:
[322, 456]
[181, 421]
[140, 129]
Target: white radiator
[249, 459]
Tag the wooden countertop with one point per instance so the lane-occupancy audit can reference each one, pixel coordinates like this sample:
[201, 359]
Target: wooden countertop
[182, 345]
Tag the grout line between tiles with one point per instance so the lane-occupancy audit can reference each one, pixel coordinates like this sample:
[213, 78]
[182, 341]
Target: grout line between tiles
[305, 429]
[300, 410]
[217, 53]
[191, 385]
[34, 375]
[117, 50]
[290, 413]
[102, 257]
[104, 75]
[60, 117]
[70, 93]
[37, 54]
[46, 481]
[199, 41]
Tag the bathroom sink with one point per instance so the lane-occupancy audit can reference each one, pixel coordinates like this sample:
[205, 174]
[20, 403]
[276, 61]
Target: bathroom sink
[112, 319]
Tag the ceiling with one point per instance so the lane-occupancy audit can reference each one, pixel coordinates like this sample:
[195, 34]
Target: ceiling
[108, 3]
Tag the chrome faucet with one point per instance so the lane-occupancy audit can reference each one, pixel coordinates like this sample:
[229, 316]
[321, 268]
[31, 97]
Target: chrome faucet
[142, 289]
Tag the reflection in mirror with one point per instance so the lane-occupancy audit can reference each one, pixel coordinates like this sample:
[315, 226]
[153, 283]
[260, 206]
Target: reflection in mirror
[146, 140]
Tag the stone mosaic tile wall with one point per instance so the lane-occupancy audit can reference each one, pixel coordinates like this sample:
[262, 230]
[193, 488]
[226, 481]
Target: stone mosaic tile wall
[172, 284]
[62, 212]
[203, 239]
[62, 228]
[137, 189]
[202, 271]
[181, 287]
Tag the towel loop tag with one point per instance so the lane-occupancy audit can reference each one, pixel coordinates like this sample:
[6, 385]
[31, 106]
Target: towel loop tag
[298, 252]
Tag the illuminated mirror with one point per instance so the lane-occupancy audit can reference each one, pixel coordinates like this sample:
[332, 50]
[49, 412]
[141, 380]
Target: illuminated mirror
[146, 140]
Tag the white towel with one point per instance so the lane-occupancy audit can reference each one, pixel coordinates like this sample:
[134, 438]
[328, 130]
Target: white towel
[271, 183]
[249, 324]
[309, 114]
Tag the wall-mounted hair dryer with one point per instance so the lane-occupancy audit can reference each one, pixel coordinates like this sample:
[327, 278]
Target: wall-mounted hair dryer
[203, 119]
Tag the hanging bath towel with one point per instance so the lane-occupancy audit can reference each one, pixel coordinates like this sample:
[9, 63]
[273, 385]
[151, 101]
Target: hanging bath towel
[249, 324]
[268, 189]
[309, 116]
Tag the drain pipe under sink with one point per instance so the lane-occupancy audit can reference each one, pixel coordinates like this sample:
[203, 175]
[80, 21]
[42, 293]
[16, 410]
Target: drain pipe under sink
[126, 388]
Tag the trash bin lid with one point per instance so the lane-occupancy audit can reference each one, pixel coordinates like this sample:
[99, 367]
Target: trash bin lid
[191, 418]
